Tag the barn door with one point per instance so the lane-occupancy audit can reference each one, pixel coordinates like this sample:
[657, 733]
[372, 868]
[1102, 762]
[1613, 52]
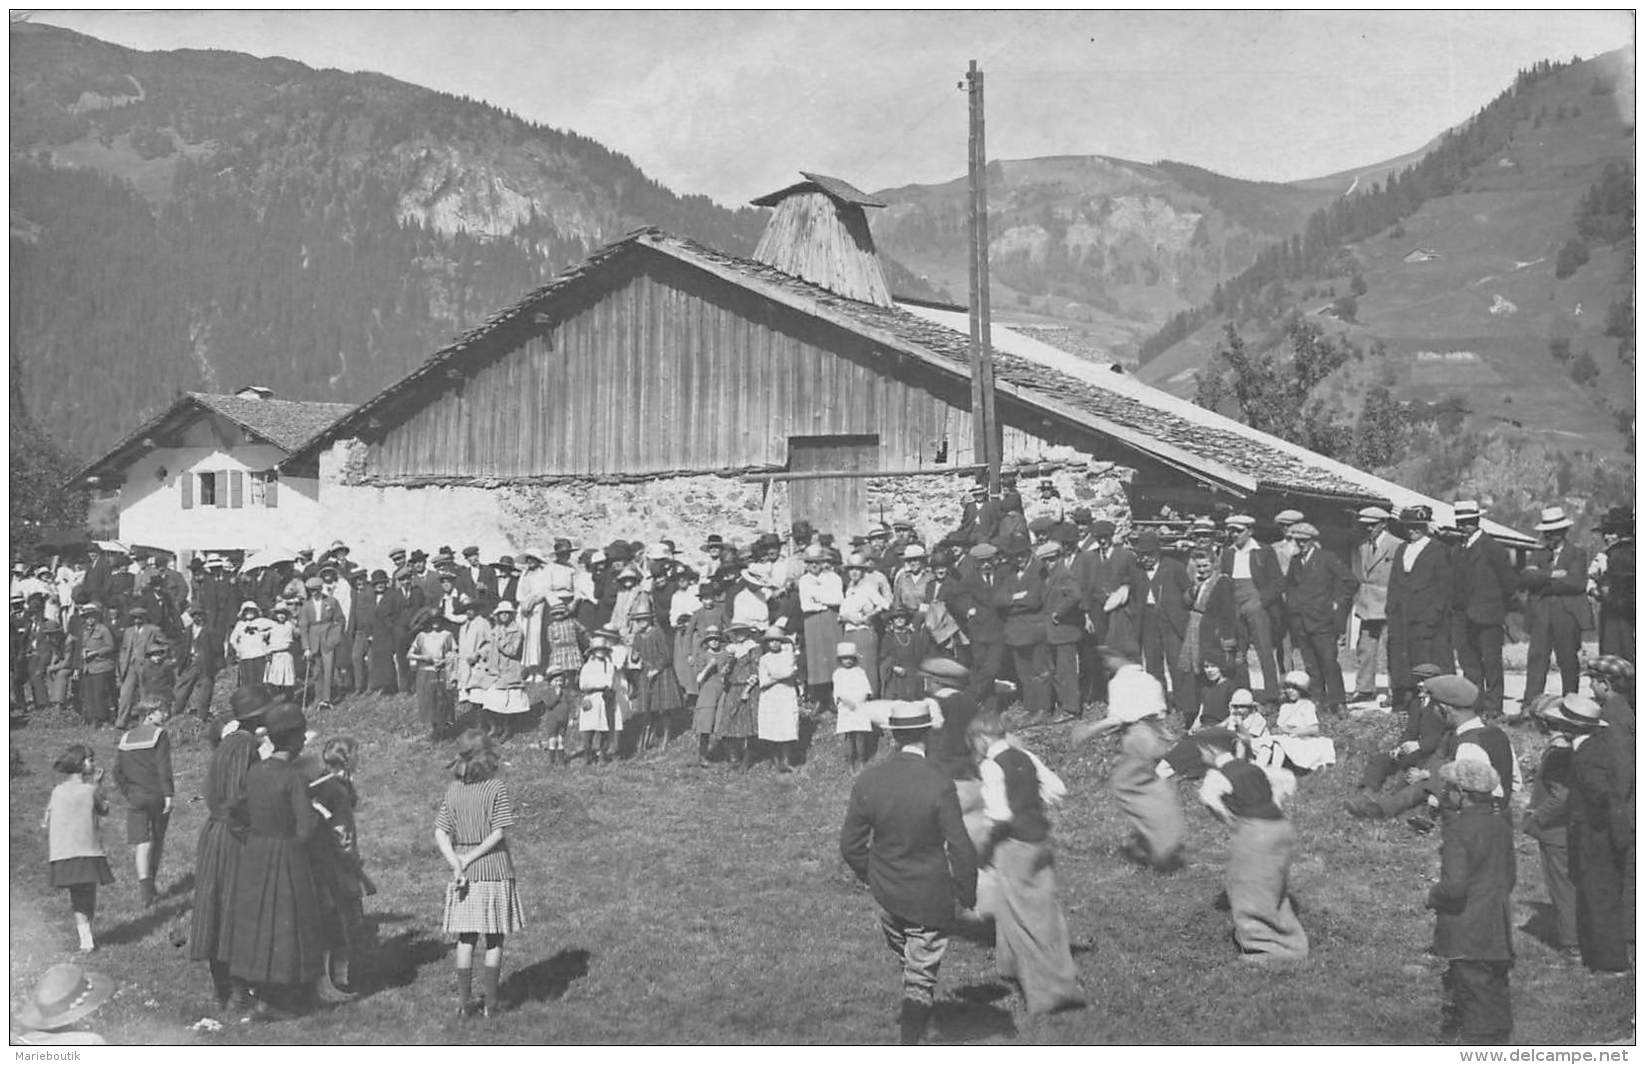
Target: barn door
[837, 505]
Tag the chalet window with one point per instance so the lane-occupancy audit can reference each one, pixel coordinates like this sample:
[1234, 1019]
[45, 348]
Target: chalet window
[236, 489]
[208, 490]
[265, 488]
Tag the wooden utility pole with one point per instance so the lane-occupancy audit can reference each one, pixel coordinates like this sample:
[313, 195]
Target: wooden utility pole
[986, 434]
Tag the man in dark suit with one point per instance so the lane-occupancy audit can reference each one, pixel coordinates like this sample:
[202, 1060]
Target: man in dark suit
[1319, 593]
[196, 666]
[1020, 598]
[1612, 577]
[1556, 586]
[1419, 605]
[1064, 623]
[1159, 597]
[905, 837]
[979, 618]
[362, 619]
[474, 576]
[1259, 587]
[1483, 583]
[1103, 568]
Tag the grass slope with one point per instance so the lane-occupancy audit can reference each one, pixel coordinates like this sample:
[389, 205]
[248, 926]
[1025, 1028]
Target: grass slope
[668, 904]
[1491, 293]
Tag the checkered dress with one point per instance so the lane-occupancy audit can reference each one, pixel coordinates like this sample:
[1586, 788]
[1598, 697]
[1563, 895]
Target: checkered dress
[489, 904]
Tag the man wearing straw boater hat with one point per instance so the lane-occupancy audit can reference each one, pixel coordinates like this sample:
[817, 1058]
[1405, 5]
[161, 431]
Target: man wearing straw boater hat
[1484, 584]
[904, 836]
[1556, 585]
[1600, 843]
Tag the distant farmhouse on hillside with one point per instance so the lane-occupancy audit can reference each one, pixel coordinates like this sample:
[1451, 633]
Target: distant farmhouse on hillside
[202, 475]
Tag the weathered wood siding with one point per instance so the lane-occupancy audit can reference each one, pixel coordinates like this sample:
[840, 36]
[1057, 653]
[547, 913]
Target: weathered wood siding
[670, 370]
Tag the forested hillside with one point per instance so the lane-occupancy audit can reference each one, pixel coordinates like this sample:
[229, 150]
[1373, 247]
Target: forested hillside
[1495, 273]
[203, 220]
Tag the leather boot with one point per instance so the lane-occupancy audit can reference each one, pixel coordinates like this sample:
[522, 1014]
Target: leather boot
[913, 1021]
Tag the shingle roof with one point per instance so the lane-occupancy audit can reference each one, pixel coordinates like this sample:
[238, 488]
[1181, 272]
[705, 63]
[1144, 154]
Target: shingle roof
[843, 191]
[285, 423]
[1155, 422]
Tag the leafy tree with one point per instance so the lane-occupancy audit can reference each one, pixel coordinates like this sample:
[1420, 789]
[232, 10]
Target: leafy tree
[1560, 348]
[38, 470]
[1606, 212]
[1345, 307]
[1383, 431]
[1358, 286]
[1273, 389]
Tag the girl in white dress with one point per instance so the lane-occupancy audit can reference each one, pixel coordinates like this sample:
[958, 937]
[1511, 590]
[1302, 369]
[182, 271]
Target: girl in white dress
[280, 670]
[851, 692]
[1296, 726]
[779, 707]
[599, 720]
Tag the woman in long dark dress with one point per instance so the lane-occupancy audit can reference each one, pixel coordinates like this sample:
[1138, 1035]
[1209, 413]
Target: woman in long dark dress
[217, 855]
[274, 930]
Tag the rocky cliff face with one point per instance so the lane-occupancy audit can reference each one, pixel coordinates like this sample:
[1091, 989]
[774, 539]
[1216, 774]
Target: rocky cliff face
[1093, 239]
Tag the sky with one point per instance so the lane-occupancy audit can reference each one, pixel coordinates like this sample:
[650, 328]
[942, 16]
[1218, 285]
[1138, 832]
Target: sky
[731, 104]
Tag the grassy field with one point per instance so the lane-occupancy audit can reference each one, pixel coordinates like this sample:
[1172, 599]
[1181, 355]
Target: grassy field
[670, 904]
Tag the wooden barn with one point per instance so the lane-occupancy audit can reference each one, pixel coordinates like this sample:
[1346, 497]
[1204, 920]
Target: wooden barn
[664, 385]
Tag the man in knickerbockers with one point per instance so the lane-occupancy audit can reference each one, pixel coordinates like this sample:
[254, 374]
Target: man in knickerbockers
[904, 836]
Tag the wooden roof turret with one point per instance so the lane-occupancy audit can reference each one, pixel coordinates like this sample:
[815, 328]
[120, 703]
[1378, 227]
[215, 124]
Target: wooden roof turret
[819, 233]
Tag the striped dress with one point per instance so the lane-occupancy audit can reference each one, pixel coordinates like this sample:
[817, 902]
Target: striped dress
[469, 813]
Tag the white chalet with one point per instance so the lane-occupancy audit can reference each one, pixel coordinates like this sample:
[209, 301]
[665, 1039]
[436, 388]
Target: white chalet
[201, 476]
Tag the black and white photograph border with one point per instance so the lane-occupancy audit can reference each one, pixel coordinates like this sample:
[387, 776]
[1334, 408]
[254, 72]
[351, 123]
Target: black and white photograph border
[833, 527]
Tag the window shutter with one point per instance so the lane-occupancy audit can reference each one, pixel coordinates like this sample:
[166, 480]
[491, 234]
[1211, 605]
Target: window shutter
[222, 489]
[186, 482]
[269, 489]
[236, 489]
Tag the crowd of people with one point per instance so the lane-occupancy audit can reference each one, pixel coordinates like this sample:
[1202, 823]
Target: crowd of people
[611, 651]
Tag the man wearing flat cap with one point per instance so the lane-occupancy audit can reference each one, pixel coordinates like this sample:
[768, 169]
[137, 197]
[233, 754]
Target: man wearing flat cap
[1372, 563]
[1259, 591]
[1483, 585]
[1557, 609]
[1319, 594]
[905, 837]
[1419, 604]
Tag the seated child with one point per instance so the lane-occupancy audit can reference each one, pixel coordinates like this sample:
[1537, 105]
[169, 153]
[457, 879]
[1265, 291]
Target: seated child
[1296, 727]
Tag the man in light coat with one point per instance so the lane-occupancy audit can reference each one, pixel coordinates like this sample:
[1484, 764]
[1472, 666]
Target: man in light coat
[1372, 564]
[320, 626]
